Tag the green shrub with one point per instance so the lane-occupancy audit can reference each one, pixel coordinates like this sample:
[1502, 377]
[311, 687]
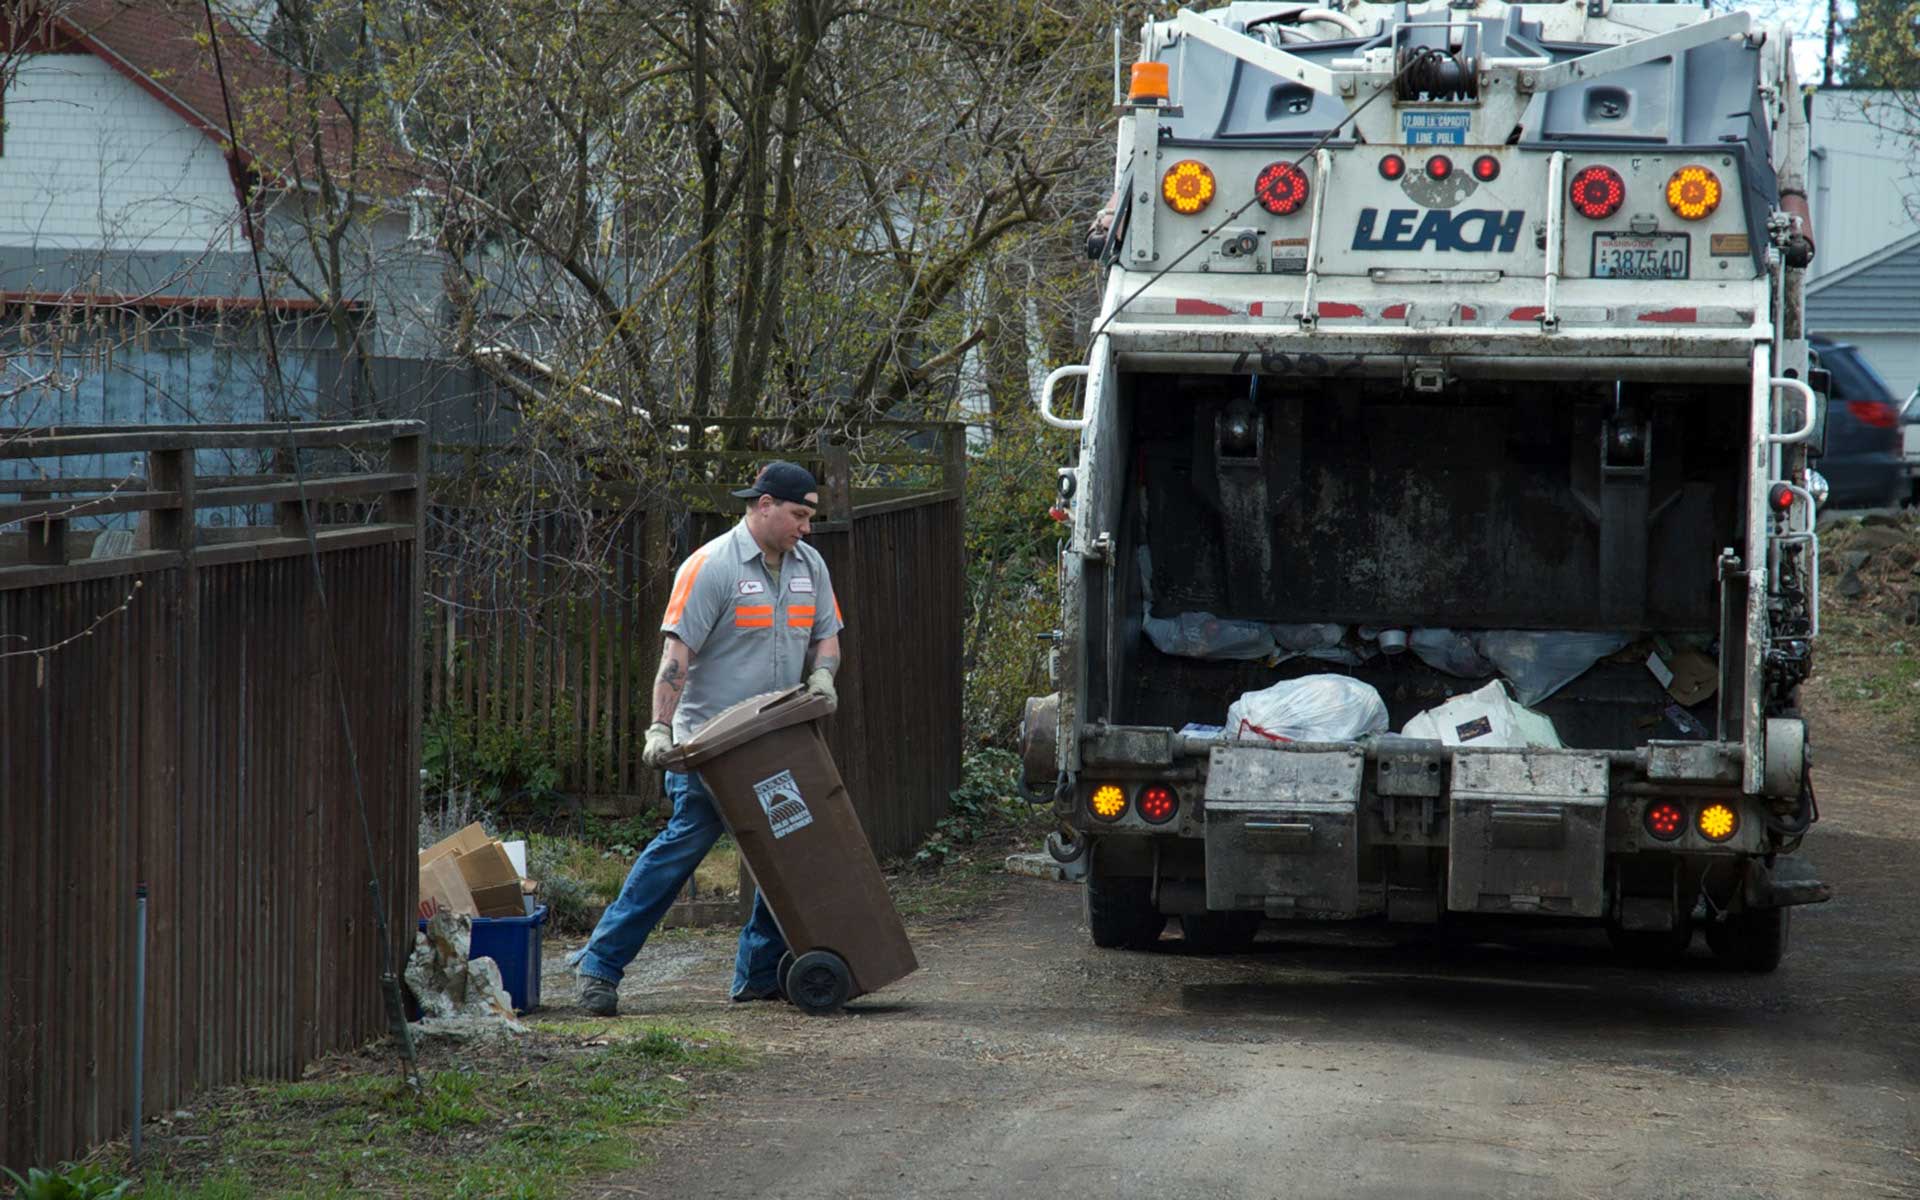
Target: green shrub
[74, 1181]
[987, 802]
[500, 764]
[1013, 593]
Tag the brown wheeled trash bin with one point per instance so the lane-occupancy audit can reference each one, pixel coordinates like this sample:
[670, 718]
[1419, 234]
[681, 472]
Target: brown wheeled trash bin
[782, 798]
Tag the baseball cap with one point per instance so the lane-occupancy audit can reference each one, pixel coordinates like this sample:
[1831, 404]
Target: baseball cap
[783, 481]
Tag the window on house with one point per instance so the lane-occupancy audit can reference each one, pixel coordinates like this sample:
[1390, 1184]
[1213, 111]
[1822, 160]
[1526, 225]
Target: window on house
[420, 225]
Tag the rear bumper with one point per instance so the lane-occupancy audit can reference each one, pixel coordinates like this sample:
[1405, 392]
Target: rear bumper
[1339, 830]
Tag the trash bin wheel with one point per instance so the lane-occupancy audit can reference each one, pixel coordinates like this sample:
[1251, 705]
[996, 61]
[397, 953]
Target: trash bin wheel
[780, 974]
[819, 982]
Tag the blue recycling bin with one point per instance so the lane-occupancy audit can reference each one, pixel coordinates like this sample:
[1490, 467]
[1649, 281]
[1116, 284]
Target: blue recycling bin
[513, 943]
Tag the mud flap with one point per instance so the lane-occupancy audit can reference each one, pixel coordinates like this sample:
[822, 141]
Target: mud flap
[1283, 832]
[1788, 882]
[1528, 833]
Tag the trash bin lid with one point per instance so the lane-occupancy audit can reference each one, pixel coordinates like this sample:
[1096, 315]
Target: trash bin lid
[753, 717]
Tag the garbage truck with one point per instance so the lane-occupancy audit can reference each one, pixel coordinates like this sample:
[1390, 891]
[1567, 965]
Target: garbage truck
[1448, 388]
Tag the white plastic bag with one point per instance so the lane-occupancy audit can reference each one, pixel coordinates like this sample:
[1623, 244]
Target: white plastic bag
[1313, 708]
[1203, 635]
[1484, 719]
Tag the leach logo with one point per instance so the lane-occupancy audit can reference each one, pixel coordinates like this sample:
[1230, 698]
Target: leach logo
[1476, 230]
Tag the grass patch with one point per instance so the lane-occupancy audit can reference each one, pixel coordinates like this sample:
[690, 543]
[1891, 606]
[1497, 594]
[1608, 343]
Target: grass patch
[519, 1118]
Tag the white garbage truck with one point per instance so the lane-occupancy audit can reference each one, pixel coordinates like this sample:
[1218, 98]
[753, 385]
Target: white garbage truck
[1442, 522]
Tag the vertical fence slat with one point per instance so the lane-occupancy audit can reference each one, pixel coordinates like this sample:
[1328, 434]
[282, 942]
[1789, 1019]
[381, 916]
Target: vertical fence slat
[188, 742]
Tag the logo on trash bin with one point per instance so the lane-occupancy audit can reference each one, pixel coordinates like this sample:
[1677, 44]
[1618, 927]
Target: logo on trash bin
[780, 799]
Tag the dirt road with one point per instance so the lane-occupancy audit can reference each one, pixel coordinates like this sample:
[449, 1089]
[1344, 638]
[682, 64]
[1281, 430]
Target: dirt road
[1022, 1062]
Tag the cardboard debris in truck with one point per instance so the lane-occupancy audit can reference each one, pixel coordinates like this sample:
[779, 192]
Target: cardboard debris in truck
[471, 873]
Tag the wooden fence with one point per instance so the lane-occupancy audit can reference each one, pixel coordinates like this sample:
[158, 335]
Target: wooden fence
[169, 718]
[529, 651]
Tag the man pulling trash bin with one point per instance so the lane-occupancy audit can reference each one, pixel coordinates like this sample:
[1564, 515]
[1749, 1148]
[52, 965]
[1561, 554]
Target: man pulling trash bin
[751, 612]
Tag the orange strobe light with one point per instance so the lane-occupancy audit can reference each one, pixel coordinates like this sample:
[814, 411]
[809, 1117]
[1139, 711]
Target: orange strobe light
[1148, 84]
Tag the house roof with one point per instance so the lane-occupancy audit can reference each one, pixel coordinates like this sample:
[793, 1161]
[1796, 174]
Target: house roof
[162, 46]
[1866, 262]
[1875, 293]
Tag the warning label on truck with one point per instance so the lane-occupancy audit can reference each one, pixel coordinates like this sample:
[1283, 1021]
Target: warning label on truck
[1437, 126]
[780, 799]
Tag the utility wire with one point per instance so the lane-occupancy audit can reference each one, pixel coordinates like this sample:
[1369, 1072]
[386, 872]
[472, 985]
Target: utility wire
[389, 977]
[1412, 61]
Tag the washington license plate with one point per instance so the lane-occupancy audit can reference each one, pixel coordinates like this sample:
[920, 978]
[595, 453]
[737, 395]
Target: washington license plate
[1639, 256]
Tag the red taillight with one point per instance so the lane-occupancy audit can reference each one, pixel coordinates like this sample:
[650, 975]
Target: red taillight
[1666, 820]
[1781, 497]
[1392, 167]
[1876, 413]
[1281, 188]
[1439, 167]
[1486, 168]
[1157, 804]
[1598, 192]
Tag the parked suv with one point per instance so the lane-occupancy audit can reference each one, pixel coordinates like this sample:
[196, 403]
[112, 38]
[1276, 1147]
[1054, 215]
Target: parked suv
[1864, 464]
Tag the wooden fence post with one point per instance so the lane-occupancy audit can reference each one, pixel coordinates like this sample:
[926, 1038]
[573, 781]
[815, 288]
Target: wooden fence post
[47, 542]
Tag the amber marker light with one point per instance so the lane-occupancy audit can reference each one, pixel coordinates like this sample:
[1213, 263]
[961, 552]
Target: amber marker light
[1187, 187]
[1108, 802]
[1693, 193]
[1717, 822]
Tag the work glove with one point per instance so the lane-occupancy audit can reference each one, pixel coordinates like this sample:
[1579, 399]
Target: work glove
[659, 744]
[820, 683]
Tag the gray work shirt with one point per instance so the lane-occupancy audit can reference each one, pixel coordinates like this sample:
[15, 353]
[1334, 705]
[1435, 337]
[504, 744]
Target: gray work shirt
[748, 629]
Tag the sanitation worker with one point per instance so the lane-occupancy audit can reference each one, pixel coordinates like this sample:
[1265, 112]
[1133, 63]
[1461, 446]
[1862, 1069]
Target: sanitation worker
[752, 611]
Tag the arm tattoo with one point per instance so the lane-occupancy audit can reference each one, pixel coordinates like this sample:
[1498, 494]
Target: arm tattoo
[830, 661]
[668, 683]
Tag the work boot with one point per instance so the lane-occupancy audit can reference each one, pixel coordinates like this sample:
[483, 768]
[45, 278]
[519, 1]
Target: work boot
[601, 997]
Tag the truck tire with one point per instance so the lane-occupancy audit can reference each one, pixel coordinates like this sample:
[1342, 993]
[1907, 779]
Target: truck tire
[1653, 948]
[1754, 940]
[1220, 932]
[1120, 913]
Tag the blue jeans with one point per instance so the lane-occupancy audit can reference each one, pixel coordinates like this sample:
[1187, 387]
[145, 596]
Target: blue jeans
[662, 869]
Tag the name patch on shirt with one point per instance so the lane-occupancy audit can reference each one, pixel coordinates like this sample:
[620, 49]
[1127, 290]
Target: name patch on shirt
[803, 583]
[751, 587]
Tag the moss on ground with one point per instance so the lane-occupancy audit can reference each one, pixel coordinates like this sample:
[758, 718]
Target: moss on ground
[520, 1118]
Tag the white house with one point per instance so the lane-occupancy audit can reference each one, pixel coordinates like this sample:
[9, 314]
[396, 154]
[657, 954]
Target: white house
[1864, 285]
[128, 288]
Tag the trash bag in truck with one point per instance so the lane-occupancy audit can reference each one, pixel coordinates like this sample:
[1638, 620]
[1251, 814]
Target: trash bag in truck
[1313, 708]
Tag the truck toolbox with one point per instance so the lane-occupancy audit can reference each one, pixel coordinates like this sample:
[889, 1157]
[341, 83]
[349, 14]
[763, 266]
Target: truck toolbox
[1282, 831]
[1527, 833]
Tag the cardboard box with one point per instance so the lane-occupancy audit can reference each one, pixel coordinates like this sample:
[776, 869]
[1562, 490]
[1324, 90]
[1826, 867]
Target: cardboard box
[442, 886]
[467, 840]
[490, 876]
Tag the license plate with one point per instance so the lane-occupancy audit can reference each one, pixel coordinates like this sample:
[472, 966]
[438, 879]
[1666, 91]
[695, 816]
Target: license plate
[1639, 256]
